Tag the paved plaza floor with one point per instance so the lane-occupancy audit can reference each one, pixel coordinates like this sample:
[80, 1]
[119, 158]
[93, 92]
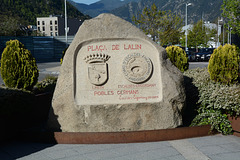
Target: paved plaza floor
[217, 147]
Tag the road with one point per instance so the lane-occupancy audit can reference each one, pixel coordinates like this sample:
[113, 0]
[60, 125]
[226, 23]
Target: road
[48, 68]
[52, 68]
[193, 65]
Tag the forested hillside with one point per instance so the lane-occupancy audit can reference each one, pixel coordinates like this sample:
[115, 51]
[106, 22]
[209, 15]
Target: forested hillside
[24, 12]
[30, 9]
[208, 10]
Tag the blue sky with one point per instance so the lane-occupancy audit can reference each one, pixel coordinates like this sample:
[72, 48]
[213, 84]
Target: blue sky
[86, 1]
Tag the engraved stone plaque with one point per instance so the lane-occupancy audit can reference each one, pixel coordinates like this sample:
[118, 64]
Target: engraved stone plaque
[117, 71]
[137, 68]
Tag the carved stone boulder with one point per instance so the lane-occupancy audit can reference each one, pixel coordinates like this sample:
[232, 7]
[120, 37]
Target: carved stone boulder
[114, 78]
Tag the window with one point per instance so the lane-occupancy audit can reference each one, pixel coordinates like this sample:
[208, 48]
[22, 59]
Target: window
[50, 22]
[43, 28]
[51, 28]
[55, 21]
[43, 33]
[43, 22]
[51, 33]
[56, 28]
[38, 28]
[56, 33]
[38, 22]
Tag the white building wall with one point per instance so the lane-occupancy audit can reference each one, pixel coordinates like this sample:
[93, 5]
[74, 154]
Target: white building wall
[48, 26]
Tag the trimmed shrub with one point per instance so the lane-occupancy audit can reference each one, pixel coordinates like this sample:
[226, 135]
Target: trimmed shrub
[18, 66]
[19, 110]
[15, 101]
[63, 54]
[178, 57]
[224, 64]
[47, 85]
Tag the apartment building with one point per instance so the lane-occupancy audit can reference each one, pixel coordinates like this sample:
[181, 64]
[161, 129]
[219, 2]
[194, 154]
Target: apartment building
[55, 25]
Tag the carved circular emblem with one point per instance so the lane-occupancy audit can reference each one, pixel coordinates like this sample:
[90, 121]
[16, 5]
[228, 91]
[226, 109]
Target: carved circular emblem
[137, 68]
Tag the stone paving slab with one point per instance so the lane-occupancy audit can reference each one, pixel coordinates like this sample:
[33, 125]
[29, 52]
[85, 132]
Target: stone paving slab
[217, 147]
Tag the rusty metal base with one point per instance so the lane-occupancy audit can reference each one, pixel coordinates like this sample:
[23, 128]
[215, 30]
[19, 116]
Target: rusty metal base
[120, 137]
[235, 122]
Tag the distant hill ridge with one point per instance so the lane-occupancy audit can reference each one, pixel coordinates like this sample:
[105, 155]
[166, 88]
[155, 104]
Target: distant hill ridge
[208, 10]
[102, 6]
[28, 10]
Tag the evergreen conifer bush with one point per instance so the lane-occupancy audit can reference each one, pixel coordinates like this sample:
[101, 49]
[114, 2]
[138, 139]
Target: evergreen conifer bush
[63, 54]
[18, 66]
[224, 64]
[178, 57]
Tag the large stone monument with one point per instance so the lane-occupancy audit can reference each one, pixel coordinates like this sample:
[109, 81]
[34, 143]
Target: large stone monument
[114, 78]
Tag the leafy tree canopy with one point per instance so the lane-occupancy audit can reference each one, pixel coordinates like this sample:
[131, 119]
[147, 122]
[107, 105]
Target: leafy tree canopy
[9, 26]
[199, 35]
[231, 10]
[163, 26]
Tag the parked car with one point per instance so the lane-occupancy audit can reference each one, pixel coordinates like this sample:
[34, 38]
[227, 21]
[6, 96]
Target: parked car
[191, 55]
[204, 54]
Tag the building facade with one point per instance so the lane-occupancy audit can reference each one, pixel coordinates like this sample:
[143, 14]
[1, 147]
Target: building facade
[55, 25]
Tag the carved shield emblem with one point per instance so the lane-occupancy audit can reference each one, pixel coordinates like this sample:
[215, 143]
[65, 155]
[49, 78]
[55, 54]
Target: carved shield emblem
[98, 73]
[97, 68]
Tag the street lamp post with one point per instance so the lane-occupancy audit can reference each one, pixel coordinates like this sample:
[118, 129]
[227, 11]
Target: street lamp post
[228, 34]
[230, 38]
[223, 34]
[218, 33]
[66, 28]
[187, 4]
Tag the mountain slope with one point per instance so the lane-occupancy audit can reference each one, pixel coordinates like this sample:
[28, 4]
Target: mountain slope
[28, 10]
[209, 10]
[102, 6]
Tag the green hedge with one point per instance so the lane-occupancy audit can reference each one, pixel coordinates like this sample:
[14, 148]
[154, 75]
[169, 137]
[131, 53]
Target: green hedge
[15, 101]
[215, 102]
[47, 85]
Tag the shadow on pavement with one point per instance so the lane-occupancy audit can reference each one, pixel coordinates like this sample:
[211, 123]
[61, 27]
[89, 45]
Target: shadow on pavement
[18, 149]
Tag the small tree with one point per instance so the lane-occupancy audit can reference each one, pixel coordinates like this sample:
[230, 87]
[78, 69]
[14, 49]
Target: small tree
[163, 26]
[170, 30]
[199, 35]
[18, 66]
[9, 26]
[178, 57]
[230, 10]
